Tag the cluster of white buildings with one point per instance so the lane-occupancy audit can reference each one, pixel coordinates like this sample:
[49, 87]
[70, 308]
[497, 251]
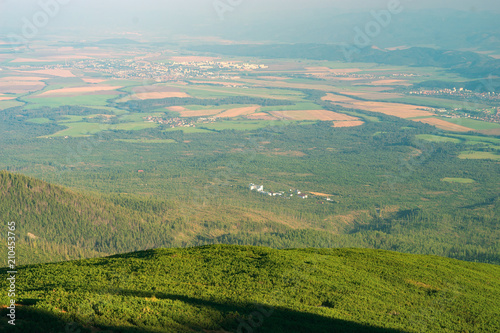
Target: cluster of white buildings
[260, 189]
[205, 65]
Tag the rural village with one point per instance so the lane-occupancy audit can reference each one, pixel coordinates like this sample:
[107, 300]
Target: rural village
[287, 195]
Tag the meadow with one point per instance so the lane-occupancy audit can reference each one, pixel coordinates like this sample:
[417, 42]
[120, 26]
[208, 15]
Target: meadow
[242, 288]
[474, 124]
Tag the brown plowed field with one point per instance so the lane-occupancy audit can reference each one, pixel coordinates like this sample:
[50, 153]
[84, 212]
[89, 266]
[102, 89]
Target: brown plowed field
[261, 116]
[93, 81]
[53, 72]
[392, 109]
[160, 95]
[239, 112]
[312, 115]
[199, 113]
[78, 90]
[21, 84]
[176, 108]
[339, 124]
[192, 59]
[443, 124]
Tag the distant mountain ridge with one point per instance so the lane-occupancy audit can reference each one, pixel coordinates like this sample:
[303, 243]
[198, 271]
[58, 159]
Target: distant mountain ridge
[468, 64]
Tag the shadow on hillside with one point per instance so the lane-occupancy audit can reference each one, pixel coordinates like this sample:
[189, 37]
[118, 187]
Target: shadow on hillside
[253, 318]
[240, 317]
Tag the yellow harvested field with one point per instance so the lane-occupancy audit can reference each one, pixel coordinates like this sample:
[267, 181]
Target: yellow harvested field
[261, 116]
[321, 194]
[53, 72]
[373, 95]
[192, 59]
[330, 70]
[22, 79]
[199, 113]
[19, 88]
[78, 90]
[376, 89]
[336, 98]
[443, 124]
[94, 81]
[318, 69]
[339, 124]
[349, 78]
[225, 84]
[28, 60]
[2, 98]
[290, 153]
[278, 78]
[51, 58]
[156, 92]
[313, 115]
[392, 109]
[390, 82]
[231, 113]
[20, 85]
[160, 95]
[495, 131]
[176, 108]
[286, 84]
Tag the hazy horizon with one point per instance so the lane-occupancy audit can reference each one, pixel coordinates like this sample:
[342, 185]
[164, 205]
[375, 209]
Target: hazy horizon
[319, 21]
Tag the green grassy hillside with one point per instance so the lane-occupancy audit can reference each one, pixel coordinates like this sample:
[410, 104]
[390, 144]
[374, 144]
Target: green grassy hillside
[224, 288]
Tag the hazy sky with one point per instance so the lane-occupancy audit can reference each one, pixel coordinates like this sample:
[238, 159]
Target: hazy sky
[197, 16]
[121, 10]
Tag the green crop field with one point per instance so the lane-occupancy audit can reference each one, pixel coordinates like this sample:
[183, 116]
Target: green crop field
[297, 106]
[472, 123]
[90, 100]
[146, 140]
[188, 130]
[132, 126]
[71, 119]
[478, 139]
[9, 104]
[215, 107]
[80, 129]
[214, 92]
[40, 120]
[458, 180]
[479, 155]
[247, 125]
[437, 138]
[138, 117]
